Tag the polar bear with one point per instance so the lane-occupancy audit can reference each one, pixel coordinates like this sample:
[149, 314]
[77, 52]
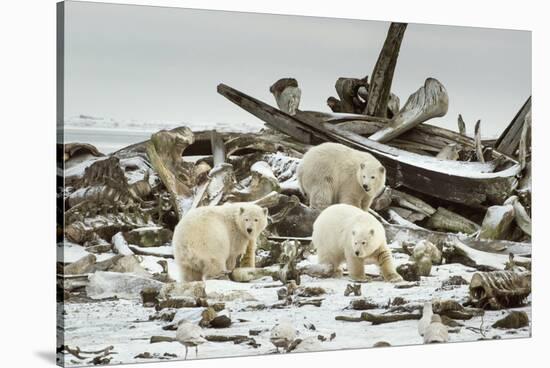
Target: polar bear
[333, 173]
[208, 241]
[344, 233]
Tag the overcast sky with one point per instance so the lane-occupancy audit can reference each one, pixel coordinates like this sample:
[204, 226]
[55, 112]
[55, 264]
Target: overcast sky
[155, 64]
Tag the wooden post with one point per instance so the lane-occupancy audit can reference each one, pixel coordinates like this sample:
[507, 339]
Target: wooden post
[382, 74]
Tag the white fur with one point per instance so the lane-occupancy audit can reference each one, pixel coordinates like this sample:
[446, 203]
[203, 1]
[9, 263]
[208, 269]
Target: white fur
[343, 233]
[208, 241]
[333, 173]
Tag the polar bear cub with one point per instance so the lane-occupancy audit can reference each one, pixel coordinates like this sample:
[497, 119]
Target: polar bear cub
[332, 173]
[208, 241]
[343, 233]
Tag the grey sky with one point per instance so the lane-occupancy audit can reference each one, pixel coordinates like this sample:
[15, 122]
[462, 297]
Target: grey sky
[155, 63]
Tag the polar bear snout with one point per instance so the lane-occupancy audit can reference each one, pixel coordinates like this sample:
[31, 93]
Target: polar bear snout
[249, 230]
[366, 187]
[357, 253]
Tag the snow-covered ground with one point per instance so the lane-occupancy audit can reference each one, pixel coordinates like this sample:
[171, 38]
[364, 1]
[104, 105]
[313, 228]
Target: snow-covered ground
[125, 323]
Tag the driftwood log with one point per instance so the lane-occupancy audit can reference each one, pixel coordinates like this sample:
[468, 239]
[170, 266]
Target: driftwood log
[380, 318]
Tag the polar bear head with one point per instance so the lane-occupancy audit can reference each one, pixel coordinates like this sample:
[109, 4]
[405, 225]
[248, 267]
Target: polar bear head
[251, 219]
[371, 177]
[364, 240]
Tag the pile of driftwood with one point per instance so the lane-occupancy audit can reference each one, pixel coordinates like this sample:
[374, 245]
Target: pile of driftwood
[449, 197]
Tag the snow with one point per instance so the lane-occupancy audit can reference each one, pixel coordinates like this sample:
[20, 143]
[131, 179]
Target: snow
[125, 323]
[121, 245]
[263, 169]
[71, 252]
[77, 171]
[473, 170]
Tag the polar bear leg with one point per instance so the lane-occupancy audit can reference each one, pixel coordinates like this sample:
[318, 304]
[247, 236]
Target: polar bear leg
[215, 268]
[327, 259]
[249, 258]
[189, 273]
[366, 202]
[385, 262]
[320, 198]
[230, 263]
[356, 268]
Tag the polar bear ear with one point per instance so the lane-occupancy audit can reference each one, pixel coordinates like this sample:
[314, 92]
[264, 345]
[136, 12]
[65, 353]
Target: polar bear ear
[241, 210]
[353, 232]
[265, 211]
[382, 169]
[371, 231]
[362, 165]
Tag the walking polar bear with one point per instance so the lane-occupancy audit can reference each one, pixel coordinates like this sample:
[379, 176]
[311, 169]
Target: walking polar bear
[208, 241]
[332, 173]
[343, 233]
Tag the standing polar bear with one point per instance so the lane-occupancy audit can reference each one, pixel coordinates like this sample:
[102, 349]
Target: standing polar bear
[208, 241]
[343, 233]
[333, 173]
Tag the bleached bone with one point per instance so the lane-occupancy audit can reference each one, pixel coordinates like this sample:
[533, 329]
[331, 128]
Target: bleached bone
[449, 152]
[479, 146]
[411, 202]
[430, 101]
[221, 180]
[523, 141]
[287, 94]
[426, 248]
[165, 150]
[218, 148]
[398, 220]
[455, 251]
[444, 219]
[499, 289]
[461, 125]
[520, 214]
[269, 200]
[247, 274]
[497, 221]
[382, 73]
[408, 214]
[262, 182]
[383, 200]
